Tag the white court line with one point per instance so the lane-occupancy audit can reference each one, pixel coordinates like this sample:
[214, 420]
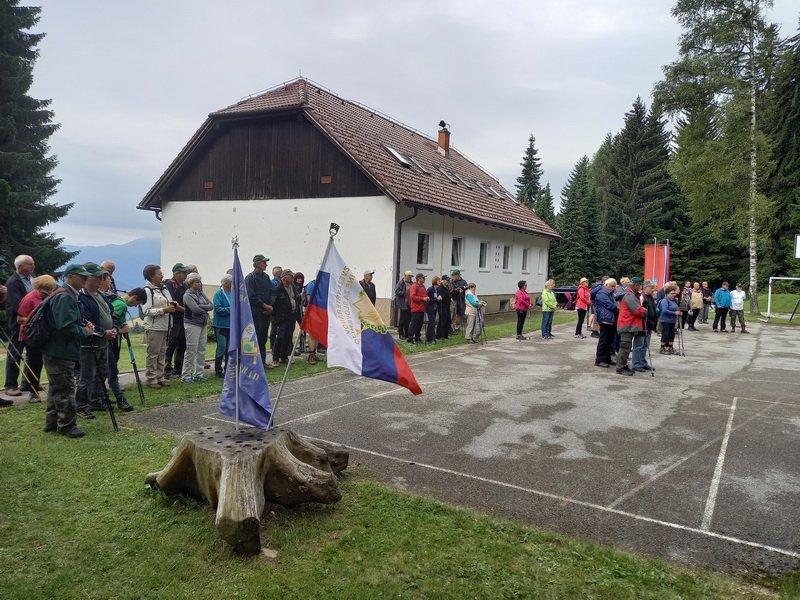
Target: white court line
[564, 500]
[711, 501]
[635, 490]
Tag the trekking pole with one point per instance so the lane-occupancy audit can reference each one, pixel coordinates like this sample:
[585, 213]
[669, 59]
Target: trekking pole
[650, 357]
[483, 329]
[283, 382]
[23, 370]
[109, 404]
[135, 370]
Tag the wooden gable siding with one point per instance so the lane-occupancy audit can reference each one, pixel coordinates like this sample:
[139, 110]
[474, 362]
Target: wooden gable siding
[284, 157]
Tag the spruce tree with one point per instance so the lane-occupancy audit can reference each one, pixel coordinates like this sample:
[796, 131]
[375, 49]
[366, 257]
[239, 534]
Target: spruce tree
[599, 174]
[543, 206]
[574, 255]
[783, 123]
[529, 181]
[25, 166]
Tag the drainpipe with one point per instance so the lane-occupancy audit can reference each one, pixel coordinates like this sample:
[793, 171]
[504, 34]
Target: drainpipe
[393, 319]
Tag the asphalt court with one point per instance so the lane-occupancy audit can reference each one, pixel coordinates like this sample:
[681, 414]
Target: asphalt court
[697, 464]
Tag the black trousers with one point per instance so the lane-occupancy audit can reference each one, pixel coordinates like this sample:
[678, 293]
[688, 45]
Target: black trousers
[604, 343]
[403, 322]
[684, 318]
[521, 316]
[720, 316]
[284, 333]
[581, 316]
[444, 321]
[176, 346]
[693, 317]
[33, 368]
[667, 333]
[430, 330]
[261, 323]
[415, 327]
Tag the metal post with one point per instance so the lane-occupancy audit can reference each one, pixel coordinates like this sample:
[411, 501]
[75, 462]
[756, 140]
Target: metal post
[769, 300]
[283, 382]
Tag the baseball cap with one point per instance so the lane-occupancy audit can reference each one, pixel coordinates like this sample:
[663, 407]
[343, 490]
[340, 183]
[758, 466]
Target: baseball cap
[259, 257]
[177, 267]
[636, 280]
[94, 269]
[369, 272]
[76, 269]
[456, 272]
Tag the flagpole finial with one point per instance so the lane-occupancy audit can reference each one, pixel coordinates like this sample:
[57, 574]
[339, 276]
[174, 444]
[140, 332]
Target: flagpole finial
[235, 241]
[333, 230]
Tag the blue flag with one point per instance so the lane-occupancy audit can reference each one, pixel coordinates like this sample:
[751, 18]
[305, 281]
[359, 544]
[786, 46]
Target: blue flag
[250, 378]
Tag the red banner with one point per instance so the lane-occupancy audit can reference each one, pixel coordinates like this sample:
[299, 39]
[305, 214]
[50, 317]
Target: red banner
[656, 263]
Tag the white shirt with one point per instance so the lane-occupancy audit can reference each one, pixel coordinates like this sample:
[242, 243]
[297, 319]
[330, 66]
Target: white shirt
[737, 299]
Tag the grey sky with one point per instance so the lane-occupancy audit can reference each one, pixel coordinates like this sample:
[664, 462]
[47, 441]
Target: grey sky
[131, 81]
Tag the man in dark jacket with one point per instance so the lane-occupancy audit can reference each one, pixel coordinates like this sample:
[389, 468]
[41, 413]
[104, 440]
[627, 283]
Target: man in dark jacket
[176, 343]
[259, 293]
[606, 314]
[19, 284]
[707, 297]
[401, 304]
[97, 310]
[286, 313]
[598, 285]
[62, 351]
[368, 286]
[458, 295]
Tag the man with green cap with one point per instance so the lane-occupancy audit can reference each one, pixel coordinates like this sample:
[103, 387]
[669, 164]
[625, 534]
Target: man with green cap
[63, 350]
[630, 323]
[176, 344]
[260, 293]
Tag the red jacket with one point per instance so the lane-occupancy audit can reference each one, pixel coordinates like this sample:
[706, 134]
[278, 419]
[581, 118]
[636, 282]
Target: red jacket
[417, 294]
[584, 297]
[631, 313]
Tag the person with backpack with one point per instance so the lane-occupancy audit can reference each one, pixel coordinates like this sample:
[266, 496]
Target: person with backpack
[156, 311]
[43, 286]
[630, 323]
[57, 328]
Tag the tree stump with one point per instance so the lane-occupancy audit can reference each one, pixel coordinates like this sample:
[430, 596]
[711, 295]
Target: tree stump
[238, 471]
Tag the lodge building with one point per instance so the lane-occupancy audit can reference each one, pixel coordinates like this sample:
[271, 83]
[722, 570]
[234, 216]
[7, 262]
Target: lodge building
[277, 168]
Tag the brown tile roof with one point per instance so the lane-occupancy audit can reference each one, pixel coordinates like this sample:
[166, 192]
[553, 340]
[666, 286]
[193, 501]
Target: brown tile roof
[364, 135]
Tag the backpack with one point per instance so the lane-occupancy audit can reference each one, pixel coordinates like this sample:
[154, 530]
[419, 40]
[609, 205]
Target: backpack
[538, 301]
[39, 326]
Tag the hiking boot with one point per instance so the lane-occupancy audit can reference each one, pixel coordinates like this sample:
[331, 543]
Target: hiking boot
[218, 367]
[50, 427]
[640, 369]
[624, 371]
[163, 384]
[605, 365]
[85, 413]
[594, 334]
[124, 405]
[73, 432]
[12, 391]
[34, 399]
[521, 337]
[4, 402]
[663, 350]
[745, 331]
[97, 406]
[313, 358]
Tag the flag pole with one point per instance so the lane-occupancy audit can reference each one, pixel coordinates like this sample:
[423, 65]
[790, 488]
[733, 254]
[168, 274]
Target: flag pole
[332, 231]
[235, 244]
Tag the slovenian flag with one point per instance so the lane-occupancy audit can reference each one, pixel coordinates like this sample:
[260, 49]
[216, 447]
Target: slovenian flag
[343, 319]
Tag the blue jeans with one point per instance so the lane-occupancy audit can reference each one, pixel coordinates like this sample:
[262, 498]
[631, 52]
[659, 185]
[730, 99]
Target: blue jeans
[639, 354]
[547, 322]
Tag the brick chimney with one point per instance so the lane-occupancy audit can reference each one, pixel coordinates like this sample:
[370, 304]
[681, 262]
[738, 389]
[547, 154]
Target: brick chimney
[444, 139]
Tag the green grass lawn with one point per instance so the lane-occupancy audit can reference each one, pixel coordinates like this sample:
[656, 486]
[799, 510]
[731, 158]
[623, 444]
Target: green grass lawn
[781, 303]
[78, 522]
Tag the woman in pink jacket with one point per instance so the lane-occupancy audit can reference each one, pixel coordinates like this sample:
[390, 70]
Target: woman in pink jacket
[522, 304]
[582, 305]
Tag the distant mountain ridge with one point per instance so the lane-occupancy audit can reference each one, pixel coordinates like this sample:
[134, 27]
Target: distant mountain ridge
[130, 258]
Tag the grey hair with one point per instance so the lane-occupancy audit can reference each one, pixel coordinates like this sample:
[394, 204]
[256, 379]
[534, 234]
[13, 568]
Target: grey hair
[610, 282]
[191, 278]
[21, 259]
[225, 279]
[650, 283]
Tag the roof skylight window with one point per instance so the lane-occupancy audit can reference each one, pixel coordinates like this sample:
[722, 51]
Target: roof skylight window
[484, 187]
[399, 157]
[462, 180]
[448, 175]
[420, 166]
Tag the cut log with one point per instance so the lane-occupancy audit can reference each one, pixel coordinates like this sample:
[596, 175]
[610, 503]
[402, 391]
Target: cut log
[238, 471]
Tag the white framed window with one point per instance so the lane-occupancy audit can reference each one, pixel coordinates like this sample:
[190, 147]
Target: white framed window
[457, 252]
[506, 258]
[483, 257]
[423, 249]
[525, 253]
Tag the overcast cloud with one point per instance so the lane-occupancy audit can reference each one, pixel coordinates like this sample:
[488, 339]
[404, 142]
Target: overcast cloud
[131, 81]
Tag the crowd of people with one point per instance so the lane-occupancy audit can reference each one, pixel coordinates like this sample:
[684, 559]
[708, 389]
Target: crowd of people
[88, 319]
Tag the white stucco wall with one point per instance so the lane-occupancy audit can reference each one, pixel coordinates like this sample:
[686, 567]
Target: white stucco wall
[292, 233]
[491, 280]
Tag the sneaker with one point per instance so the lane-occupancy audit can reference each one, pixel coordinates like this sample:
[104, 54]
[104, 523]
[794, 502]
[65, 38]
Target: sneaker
[745, 331]
[198, 378]
[663, 350]
[163, 384]
[187, 379]
[521, 337]
[124, 405]
[12, 391]
[4, 402]
[580, 336]
[624, 371]
[594, 334]
[605, 365]
[73, 432]
[640, 369]
[85, 413]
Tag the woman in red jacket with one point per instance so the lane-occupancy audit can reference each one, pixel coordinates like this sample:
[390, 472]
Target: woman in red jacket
[582, 305]
[522, 304]
[417, 297]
